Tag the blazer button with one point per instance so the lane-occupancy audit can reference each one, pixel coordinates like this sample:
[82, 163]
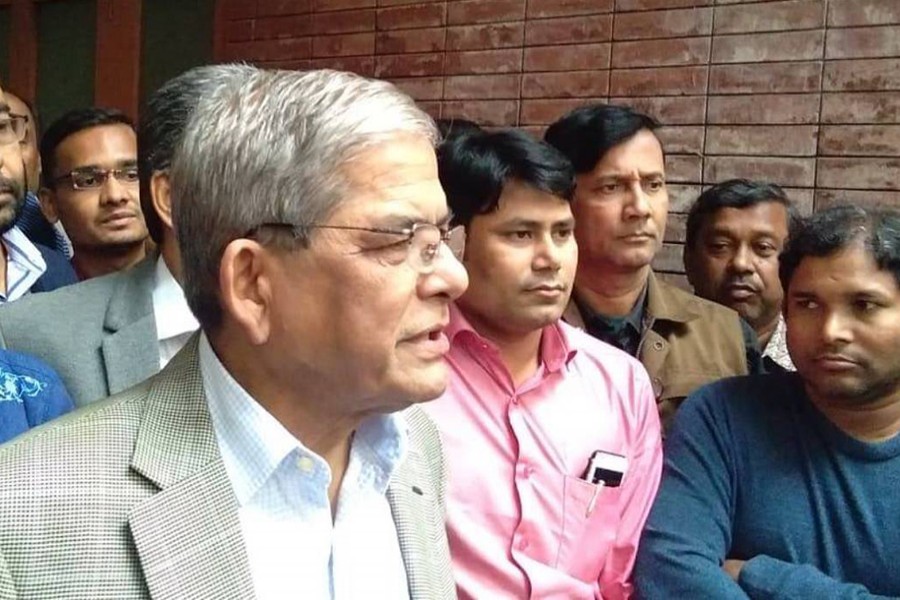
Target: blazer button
[657, 345]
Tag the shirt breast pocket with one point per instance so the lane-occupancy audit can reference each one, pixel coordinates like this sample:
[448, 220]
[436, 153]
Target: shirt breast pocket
[589, 532]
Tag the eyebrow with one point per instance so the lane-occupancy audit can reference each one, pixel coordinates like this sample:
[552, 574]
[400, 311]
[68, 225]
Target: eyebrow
[118, 165]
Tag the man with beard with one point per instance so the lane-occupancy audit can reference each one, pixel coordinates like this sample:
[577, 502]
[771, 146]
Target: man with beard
[735, 231]
[535, 409]
[27, 267]
[785, 485]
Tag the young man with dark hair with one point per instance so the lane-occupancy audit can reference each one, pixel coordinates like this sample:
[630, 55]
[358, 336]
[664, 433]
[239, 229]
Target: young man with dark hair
[621, 206]
[785, 485]
[735, 231]
[90, 184]
[534, 406]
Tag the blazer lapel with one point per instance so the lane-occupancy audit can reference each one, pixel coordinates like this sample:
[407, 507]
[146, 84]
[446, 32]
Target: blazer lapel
[130, 349]
[188, 535]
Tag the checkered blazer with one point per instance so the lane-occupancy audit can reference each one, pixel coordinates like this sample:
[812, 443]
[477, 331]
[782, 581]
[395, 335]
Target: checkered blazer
[129, 498]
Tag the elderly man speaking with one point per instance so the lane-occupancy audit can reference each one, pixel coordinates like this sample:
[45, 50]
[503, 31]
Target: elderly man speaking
[277, 456]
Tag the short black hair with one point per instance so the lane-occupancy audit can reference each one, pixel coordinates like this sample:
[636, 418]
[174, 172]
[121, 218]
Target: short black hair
[454, 126]
[474, 167]
[587, 133]
[735, 193]
[69, 124]
[833, 229]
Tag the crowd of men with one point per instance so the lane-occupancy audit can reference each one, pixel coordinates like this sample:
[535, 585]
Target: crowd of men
[323, 347]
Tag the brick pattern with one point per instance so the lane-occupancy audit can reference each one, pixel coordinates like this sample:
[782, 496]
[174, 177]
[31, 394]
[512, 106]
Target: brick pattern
[802, 92]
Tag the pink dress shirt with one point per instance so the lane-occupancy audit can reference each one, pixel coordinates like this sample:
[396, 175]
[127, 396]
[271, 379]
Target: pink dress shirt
[519, 511]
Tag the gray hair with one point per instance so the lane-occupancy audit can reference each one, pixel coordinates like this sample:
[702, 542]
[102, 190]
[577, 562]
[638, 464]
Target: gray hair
[266, 146]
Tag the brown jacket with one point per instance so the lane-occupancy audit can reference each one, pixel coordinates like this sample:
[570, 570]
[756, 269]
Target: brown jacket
[689, 342]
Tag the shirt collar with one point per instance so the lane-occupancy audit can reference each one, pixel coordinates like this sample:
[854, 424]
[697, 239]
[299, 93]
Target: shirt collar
[253, 443]
[171, 312]
[25, 264]
[555, 350]
[633, 319]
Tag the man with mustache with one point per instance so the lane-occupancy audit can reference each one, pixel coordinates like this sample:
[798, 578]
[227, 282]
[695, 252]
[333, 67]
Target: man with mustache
[621, 206]
[26, 267]
[784, 486]
[90, 184]
[532, 402]
[735, 231]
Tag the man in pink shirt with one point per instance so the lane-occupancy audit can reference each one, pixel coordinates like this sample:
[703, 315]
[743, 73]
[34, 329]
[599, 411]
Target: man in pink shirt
[552, 437]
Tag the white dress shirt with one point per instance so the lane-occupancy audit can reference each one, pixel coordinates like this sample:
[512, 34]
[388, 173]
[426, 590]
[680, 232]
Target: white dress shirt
[24, 265]
[294, 548]
[175, 323]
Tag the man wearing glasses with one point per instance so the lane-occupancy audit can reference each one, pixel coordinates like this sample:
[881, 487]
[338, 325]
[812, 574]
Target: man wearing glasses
[27, 267]
[90, 184]
[278, 455]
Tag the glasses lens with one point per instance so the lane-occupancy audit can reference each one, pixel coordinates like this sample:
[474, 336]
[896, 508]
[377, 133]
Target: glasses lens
[425, 246]
[8, 133]
[127, 175]
[82, 180]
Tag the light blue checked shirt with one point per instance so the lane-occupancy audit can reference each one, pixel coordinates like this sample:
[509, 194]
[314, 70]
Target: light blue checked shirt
[295, 549]
[24, 265]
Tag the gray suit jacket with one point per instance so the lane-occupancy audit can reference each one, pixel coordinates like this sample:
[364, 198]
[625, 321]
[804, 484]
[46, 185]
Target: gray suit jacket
[99, 335]
[129, 498]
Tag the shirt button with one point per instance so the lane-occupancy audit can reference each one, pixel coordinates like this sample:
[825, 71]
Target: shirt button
[529, 471]
[306, 464]
[523, 544]
[515, 399]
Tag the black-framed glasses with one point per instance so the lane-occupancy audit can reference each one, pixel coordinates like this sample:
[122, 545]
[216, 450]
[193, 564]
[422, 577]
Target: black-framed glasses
[12, 129]
[423, 240]
[91, 178]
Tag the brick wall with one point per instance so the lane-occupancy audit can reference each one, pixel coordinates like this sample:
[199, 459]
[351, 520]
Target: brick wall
[805, 93]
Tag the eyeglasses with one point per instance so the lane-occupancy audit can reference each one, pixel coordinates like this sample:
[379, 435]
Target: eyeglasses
[12, 129]
[423, 240]
[91, 179]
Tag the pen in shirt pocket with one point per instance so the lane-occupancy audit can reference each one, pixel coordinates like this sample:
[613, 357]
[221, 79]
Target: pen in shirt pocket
[604, 469]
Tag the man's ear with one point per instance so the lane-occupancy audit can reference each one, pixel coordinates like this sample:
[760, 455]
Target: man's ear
[245, 288]
[47, 200]
[160, 195]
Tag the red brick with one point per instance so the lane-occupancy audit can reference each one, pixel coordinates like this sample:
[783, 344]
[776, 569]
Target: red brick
[799, 172]
[433, 108]
[497, 113]
[676, 226]
[771, 16]
[235, 9]
[409, 65]
[762, 78]
[764, 140]
[652, 53]
[485, 11]
[282, 27]
[848, 13]
[863, 75]
[483, 61]
[565, 58]
[348, 44]
[268, 50]
[626, 5]
[858, 173]
[669, 258]
[572, 84]
[785, 109]
[669, 110]
[539, 9]
[681, 196]
[410, 40]
[281, 7]
[421, 88]
[860, 140]
[239, 31]
[801, 198]
[480, 87]
[685, 139]
[411, 17]
[863, 42]
[288, 65]
[404, 2]
[480, 37]
[326, 5]
[348, 21]
[683, 168]
[762, 47]
[866, 199]
[663, 24]
[664, 80]
[362, 65]
[568, 31]
[544, 112]
[866, 107]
